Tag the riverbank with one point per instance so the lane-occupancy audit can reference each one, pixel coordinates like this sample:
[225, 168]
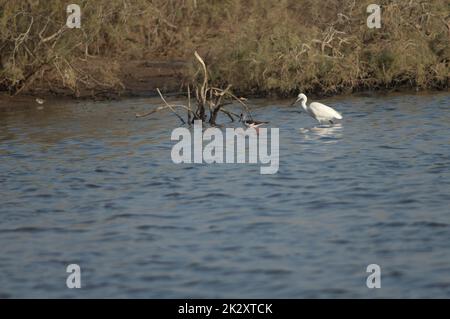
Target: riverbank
[259, 47]
[138, 78]
[142, 78]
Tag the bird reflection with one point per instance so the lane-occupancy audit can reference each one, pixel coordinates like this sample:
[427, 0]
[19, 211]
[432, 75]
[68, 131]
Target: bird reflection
[327, 133]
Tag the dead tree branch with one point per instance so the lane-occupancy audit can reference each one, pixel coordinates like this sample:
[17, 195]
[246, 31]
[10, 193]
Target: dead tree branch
[207, 97]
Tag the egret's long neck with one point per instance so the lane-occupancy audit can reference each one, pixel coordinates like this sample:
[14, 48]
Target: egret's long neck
[304, 105]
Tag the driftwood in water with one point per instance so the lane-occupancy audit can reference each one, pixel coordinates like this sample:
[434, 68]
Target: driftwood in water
[209, 100]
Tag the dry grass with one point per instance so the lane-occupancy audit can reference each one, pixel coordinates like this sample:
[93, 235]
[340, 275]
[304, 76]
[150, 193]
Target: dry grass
[259, 46]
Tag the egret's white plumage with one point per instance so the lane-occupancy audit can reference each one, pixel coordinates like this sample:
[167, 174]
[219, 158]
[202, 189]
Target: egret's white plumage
[318, 111]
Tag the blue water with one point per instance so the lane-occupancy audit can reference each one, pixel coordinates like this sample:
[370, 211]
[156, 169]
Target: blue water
[88, 183]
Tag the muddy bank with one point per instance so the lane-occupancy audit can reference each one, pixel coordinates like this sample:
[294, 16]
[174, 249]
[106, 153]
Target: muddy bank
[141, 78]
[137, 78]
[134, 78]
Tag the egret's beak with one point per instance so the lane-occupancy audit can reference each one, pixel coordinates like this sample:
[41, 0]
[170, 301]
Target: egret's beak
[293, 103]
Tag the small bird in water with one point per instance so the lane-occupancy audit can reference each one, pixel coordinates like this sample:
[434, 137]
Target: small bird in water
[250, 123]
[40, 101]
[318, 111]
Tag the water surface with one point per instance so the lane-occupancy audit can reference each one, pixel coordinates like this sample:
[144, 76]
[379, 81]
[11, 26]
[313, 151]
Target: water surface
[88, 183]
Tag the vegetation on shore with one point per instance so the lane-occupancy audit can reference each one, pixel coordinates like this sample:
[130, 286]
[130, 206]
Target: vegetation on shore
[258, 46]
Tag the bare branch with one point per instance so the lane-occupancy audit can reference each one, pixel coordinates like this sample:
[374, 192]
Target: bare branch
[170, 107]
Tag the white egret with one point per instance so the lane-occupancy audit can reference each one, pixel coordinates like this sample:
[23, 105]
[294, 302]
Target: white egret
[318, 111]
